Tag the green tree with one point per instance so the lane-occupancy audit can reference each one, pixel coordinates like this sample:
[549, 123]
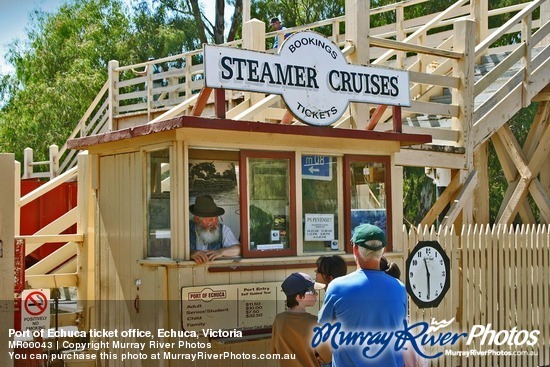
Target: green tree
[58, 72]
[207, 31]
[63, 65]
[296, 12]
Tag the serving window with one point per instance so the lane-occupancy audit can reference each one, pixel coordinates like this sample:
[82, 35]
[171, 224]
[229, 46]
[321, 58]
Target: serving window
[320, 203]
[257, 190]
[367, 198]
[268, 203]
[215, 173]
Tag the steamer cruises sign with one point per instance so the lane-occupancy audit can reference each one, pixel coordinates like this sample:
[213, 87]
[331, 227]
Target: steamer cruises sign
[311, 74]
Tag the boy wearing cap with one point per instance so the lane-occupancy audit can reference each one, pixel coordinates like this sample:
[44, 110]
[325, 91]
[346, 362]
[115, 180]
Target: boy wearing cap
[292, 329]
[367, 300]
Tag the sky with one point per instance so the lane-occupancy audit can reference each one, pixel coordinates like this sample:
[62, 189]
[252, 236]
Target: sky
[14, 18]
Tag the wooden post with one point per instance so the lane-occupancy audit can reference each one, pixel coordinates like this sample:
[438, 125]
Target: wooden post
[219, 103]
[397, 206]
[397, 125]
[188, 76]
[7, 240]
[113, 94]
[28, 168]
[464, 41]
[54, 161]
[400, 34]
[480, 10]
[246, 11]
[357, 30]
[335, 31]
[545, 17]
[254, 39]
[85, 250]
[481, 193]
[172, 95]
[526, 31]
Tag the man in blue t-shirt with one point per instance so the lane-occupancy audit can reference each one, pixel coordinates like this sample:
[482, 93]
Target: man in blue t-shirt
[209, 239]
[367, 300]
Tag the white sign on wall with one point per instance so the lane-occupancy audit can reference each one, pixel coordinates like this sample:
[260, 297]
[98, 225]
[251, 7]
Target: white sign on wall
[319, 227]
[35, 310]
[311, 74]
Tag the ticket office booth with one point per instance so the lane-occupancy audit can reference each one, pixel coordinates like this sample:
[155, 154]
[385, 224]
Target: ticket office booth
[287, 191]
[290, 194]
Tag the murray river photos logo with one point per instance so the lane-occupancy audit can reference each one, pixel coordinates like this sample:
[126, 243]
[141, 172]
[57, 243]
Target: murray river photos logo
[418, 336]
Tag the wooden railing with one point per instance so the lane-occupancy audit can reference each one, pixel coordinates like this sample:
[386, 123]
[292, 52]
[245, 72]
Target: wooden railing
[59, 268]
[426, 46]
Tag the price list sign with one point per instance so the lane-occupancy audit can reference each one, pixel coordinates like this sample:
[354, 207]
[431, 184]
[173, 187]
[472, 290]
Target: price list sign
[235, 306]
[259, 304]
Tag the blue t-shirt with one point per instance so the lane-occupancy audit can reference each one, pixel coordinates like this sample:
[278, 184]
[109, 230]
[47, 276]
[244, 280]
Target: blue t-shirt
[365, 300]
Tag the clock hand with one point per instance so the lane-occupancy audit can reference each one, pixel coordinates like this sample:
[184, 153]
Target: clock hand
[427, 274]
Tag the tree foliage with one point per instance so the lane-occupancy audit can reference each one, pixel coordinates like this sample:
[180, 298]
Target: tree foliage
[206, 30]
[296, 12]
[63, 65]
[58, 72]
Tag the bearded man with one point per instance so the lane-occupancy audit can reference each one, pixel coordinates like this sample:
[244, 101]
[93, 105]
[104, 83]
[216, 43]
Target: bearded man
[209, 238]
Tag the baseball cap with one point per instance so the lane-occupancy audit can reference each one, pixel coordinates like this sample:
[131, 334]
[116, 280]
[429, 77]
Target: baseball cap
[368, 232]
[274, 19]
[299, 282]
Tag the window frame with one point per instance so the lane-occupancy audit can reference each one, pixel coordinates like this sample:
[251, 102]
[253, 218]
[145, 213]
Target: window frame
[244, 192]
[386, 160]
[146, 151]
[337, 159]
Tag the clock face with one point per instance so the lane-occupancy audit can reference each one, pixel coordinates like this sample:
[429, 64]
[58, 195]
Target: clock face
[428, 274]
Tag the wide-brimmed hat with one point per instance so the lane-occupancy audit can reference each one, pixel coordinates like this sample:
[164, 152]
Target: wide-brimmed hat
[299, 282]
[206, 207]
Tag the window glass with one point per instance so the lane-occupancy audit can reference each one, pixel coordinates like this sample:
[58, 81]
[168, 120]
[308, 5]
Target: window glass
[319, 203]
[269, 203]
[368, 194]
[158, 203]
[218, 179]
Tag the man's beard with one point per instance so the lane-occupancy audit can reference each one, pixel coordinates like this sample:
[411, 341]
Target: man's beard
[209, 237]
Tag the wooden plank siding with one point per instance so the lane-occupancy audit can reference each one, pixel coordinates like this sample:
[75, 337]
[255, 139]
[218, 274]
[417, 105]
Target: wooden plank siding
[499, 277]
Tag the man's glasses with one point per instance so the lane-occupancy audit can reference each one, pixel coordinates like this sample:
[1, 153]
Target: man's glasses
[311, 291]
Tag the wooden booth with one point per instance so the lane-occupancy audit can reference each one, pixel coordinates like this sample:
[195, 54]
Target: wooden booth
[291, 193]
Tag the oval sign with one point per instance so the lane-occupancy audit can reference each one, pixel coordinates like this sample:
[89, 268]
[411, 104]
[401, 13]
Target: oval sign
[311, 74]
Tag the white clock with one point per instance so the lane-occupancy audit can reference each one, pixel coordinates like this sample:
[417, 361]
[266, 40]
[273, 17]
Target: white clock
[428, 275]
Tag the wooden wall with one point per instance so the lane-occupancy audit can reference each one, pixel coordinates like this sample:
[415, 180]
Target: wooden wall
[499, 277]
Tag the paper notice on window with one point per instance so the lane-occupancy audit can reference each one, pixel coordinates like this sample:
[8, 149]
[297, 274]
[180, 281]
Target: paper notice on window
[319, 227]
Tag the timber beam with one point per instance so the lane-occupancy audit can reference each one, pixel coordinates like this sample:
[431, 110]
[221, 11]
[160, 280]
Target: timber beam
[527, 164]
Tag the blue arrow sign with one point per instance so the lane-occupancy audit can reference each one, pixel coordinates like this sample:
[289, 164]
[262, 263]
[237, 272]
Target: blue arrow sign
[317, 167]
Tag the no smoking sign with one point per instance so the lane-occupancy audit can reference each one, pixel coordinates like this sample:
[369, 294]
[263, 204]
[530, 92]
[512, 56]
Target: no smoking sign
[35, 313]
